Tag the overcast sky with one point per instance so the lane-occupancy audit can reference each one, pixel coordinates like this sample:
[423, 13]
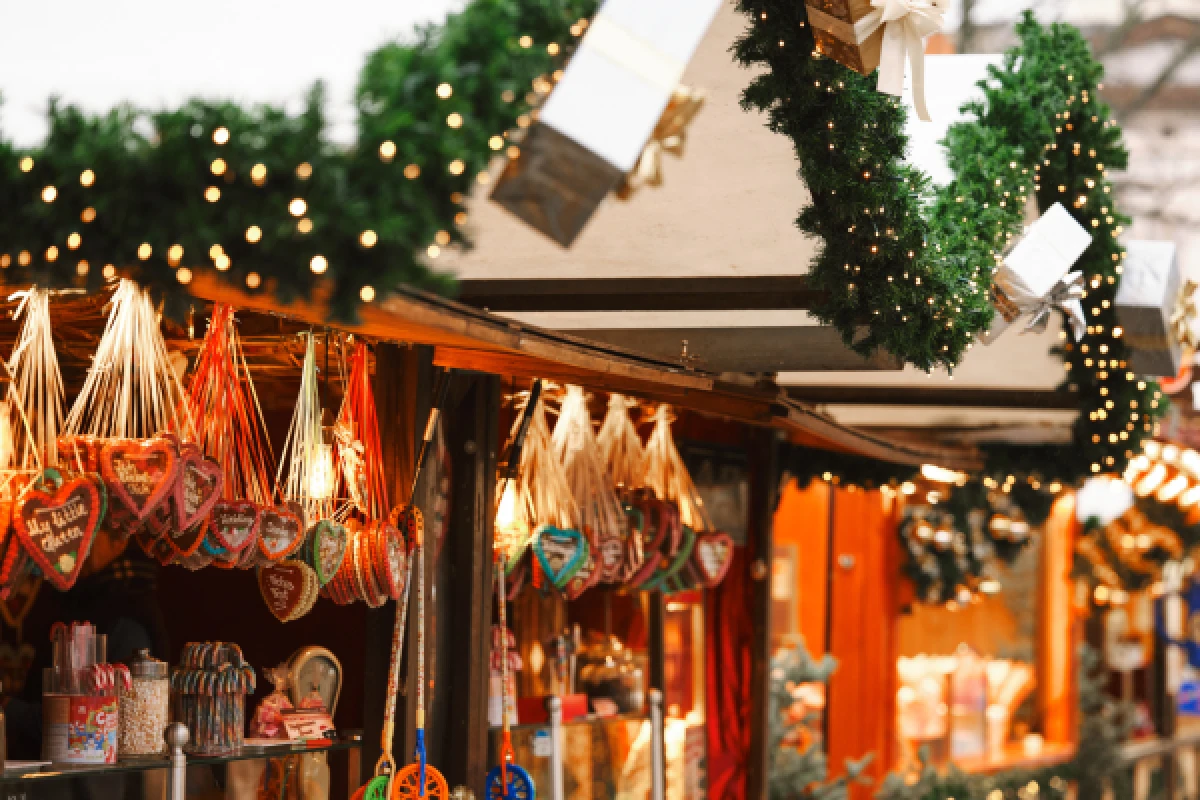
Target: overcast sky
[155, 53]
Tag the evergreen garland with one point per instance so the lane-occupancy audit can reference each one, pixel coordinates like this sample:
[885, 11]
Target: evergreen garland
[913, 264]
[214, 186]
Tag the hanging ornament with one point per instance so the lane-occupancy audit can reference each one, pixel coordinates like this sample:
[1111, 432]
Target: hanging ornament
[620, 445]
[132, 391]
[232, 433]
[358, 452]
[666, 474]
[583, 464]
[37, 387]
[307, 457]
[538, 495]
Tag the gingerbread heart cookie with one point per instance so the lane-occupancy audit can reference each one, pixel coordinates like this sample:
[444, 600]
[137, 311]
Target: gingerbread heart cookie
[56, 520]
[289, 589]
[140, 473]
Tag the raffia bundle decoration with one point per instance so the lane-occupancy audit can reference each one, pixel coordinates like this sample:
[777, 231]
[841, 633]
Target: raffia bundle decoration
[132, 390]
[230, 425]
[583, 464]
[540, 494]
[620, 445]
[308, 459]
[36, 388]
[667, 475]
[359, 451]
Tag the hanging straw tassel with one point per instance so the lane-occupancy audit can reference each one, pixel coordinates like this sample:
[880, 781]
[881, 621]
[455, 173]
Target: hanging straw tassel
[308, 459]
[230, 425]
[131, 391]
[620, 446]
[37, 386]
[668, 477]
[359, 453]
[540, 494]
[579, 453]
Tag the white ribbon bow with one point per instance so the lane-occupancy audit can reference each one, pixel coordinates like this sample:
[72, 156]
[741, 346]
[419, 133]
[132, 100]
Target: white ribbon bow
[906, 24]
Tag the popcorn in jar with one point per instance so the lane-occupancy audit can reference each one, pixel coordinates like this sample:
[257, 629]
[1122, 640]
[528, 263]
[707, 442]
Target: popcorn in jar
[144, 707]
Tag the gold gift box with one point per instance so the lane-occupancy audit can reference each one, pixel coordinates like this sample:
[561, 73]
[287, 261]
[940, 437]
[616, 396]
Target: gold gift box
[833, 23]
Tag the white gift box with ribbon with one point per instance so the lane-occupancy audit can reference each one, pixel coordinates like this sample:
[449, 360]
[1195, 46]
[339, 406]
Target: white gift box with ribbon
[1035, 277]
[595, 124]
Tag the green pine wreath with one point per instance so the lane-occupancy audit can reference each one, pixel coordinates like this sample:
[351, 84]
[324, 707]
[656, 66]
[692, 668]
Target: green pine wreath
[913, 264]
[260, 198]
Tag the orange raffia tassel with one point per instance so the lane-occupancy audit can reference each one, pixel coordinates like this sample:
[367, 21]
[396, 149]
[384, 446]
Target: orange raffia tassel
[356, 434]
[230, 427]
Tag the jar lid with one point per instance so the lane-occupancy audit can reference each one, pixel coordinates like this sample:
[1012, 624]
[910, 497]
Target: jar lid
[144, 665]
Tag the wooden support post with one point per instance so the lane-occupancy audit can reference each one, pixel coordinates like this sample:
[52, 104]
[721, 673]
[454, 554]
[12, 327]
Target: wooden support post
[472, 440]
[764, 488]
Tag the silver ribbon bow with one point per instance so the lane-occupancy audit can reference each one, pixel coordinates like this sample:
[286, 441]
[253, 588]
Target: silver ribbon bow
[1066, 296]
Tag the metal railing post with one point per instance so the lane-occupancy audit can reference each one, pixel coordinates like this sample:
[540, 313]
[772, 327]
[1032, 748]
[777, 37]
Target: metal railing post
[176, 737]
[658, 747]
[557, 787]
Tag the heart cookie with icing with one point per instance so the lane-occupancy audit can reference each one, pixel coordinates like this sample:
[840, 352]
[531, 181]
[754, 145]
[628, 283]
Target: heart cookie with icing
[56, 525]
[289, 589]
[140, 473]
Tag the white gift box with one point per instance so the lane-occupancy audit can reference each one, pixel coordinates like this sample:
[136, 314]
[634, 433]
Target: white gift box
[1146, 301]
[596, 122]
[1035, 266]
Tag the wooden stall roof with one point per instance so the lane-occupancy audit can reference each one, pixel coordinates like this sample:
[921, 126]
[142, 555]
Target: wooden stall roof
[469, 338]
[472, 339]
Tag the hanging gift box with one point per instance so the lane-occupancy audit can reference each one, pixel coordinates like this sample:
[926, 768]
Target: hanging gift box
[1155, 308]
[594, 126]
[885, 34]
[1035, 279]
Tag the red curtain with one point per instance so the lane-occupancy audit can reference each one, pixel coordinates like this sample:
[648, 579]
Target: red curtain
[728, 631]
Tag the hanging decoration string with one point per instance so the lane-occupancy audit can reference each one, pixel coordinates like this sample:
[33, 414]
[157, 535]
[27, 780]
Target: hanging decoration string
[620, 446]
[540, 494]
[583, 466]
[36, 389]
[667, 475]
[230, 425]
[132, 391]
[306, 457]
[358, 451]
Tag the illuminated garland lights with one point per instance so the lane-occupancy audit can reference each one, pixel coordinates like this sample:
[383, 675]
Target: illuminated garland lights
[261, 199]
[904, 261]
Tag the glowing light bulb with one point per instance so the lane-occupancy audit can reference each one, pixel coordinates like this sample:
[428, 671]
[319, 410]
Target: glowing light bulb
[367, 294]
[297, 207]
[318, 264]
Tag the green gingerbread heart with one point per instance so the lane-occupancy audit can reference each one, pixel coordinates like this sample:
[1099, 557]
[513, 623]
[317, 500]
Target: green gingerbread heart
[560, 553]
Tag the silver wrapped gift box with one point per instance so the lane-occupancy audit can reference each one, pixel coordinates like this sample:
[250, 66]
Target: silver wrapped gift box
[1147, 301]
[1035, 276]
[597, 120]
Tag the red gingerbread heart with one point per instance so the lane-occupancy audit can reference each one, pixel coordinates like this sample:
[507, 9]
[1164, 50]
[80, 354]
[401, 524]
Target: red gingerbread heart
[280, 532]
[197, 489]
[235, 523]
[140, 473]
[20, 599]
[712, 557]
[289, 589]
[187, 541]
[56, 526]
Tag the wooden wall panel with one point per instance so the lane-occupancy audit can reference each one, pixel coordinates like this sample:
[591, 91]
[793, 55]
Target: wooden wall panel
[802, 521]
[1058, 634]
[863, 595]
